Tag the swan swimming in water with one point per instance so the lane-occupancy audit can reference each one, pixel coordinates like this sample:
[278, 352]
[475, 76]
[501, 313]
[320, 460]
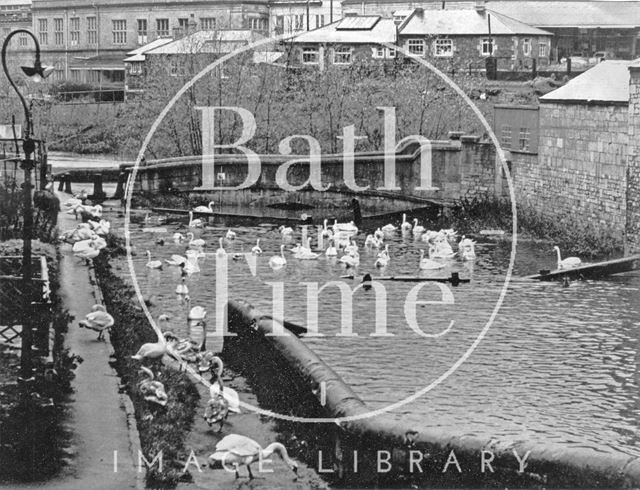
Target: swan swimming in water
[205, 209]
[418, 229]
[237, 450]
[153, 264]
[569, 262]
[331, 251]
[256, 250]
[405, 226]
[429, 263]
[194, 223]
[195, 242]
[278, 261]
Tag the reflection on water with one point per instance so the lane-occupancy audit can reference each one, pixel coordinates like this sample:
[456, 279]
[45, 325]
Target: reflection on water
[558, 364]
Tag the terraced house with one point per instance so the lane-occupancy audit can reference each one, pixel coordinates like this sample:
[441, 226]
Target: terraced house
[87, 41]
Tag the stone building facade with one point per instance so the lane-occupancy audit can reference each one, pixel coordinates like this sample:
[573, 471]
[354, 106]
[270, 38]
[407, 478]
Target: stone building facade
[87, 41]
[633, 172]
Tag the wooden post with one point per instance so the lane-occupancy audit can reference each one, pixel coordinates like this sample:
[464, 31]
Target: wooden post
[98, 193]
[67, 183]
[122, 178]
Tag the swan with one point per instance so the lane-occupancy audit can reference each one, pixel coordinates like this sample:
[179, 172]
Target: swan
[182, 288]
[466, 247]
[231, 235]
[85, 244]
[217, 387]
[155, 350]
[389, 228]
[331, 251]
[442, 249]
[350, 259]
[278, 261]
[369, 241]
[379, 234]
[217, 410]
[205, 209]
[98, 319]
[450, 234]
[285, 231]
[418, 229]
[305, 253]
[430, 236]
[382, 261]
[152, 391]
[194, 223]
[385, 252]
[178, 238]
[176, 260]
[88, 254]
[221, 252]
[351, 248]
[405, 226]
[101, 227]
[569, 262]
[195, 242]
[236, 450]
[429, 263]
[190, 266]
[257, 250]
[326, 232]
[153, 264]
[349, 227]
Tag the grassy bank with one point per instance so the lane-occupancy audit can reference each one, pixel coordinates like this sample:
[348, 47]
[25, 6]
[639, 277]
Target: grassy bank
[33, 439]
[161, 428]
[572, 236]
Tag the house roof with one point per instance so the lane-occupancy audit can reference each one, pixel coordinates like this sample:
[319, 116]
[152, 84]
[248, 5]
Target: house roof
[222, 41]
[138, 53]
[571, 13]
[373, 30]
[465, 22]
[608, 81]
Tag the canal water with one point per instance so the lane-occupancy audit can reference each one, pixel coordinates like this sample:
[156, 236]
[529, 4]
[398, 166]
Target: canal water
[559, 364]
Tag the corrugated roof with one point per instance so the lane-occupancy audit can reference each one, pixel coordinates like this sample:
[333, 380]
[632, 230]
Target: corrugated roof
[359, 23]
[571, 13]
[223, 41]
[608, 81]
[465, 22]
[384, 31]
[138, 53]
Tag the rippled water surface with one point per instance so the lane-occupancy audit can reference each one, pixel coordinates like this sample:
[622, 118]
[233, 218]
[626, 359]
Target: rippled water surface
[559, 364]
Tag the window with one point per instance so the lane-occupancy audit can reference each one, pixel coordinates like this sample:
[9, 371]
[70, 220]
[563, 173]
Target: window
[297, 22]
[174, 67]
[415, 47]
[342, 56]
[143, 31]
[92, 30]
[258, 24]
[23, 40]
[488, 46]
[58, 29]
[135, 68]
[382, 52]
[391, 52]
[119, 31]
[443, 47]
[310, 56]
[378, 52]
[505, 137]
[526, 47]
[319, 21]
[208, 24]
[43, 31]
[183, 24]
[162, 27]
[523, 139]
[94, 76]
[76, 75]
[542, 50]
[74, 31]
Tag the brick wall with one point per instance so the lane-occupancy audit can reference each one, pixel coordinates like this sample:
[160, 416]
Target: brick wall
[581, 164]
[633, 170]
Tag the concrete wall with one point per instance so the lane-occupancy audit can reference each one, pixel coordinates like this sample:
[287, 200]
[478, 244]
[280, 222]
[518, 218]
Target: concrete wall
[460, 168]
[580, 170]
[633, 171]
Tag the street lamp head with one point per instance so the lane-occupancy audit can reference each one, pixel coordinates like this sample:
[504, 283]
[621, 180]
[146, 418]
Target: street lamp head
[38, 71]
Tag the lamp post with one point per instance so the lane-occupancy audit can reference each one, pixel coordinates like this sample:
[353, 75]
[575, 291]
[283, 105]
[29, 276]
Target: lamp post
[28, 146]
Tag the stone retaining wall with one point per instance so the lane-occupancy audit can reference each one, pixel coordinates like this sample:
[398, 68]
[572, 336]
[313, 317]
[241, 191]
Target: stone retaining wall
[633, 172]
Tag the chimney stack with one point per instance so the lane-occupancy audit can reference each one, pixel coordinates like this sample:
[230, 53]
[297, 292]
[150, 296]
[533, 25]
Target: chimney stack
[481, 5]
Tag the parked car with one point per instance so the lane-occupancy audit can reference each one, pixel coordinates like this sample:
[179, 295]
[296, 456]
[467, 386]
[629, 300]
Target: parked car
[577, 62]
[601, 56]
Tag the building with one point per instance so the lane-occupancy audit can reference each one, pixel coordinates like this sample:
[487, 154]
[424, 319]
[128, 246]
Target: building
[295, 16]
[354, 37]
[579, 170]
[454, 38]
[15, 14]
[579, 27]
[87, 41]
[463, 38]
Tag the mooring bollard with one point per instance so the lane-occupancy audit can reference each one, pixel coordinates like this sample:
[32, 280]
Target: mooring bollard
[60, 183]
[122, 177]
[98, 193]
[67, 183]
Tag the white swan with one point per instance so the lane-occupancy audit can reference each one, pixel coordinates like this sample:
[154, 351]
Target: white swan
[178, 238]
[197, 313]
[98, 320]
[221, 252]
[331, 251]
[205, 209]
[236, 450]
[88, 253]
[417, 229]
[285, 231]
[231, 235]
[382, 261]
[429, 263]
[191, 265]
[194, 223]
[351, 259]
[151, 390]
[569, 262]
[176, 260]
[379, 234]
[385, 252]
[405, 226]
[326, 232]
[278, 261]
[153, 264]
[466, 248]
[388, 228]
[154, 350]
[305, 253]
[195, 242]
[256, 250]
[349, 227]
[182, 288]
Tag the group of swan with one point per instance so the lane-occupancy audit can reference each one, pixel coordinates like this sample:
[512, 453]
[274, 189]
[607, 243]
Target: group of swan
[87, 238]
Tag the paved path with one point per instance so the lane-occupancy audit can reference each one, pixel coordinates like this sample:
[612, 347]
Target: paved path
[97, 420]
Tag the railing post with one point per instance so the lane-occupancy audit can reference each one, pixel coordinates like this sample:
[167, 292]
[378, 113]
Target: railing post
[67, 183]
[98, 193]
